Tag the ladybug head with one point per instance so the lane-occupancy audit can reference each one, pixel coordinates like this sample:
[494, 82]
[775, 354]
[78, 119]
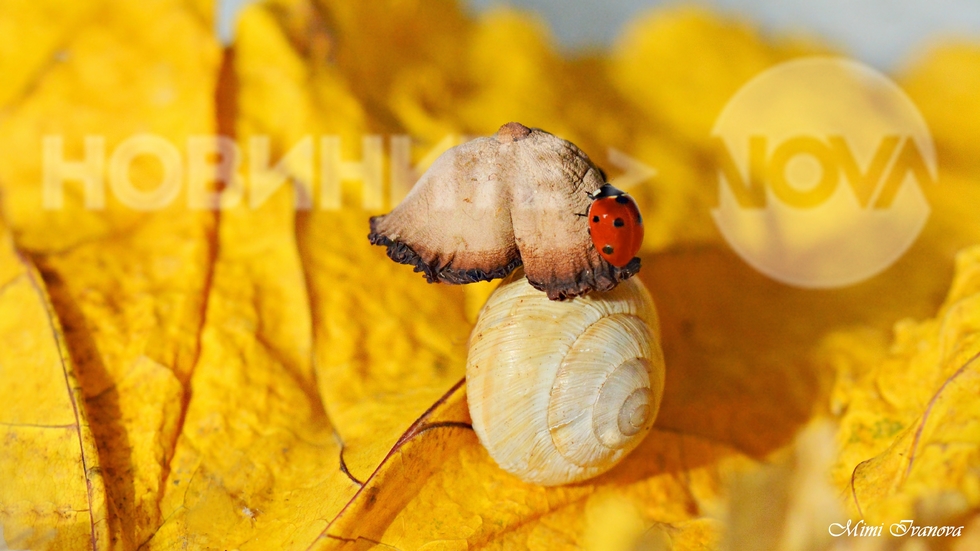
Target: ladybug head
[607, 190]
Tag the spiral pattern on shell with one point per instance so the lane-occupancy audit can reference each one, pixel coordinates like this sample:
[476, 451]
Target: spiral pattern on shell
[561, 391]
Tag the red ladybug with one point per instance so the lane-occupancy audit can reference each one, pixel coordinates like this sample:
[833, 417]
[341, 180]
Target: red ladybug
[615, 225]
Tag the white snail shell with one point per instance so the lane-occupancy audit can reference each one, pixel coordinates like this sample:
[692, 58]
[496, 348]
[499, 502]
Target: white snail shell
[561, 391]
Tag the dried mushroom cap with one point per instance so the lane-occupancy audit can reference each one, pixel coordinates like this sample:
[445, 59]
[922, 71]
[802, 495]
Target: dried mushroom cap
[491, 204]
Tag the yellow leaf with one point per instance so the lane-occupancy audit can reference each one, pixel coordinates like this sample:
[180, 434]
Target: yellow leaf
[942, 82]
[909, 432]
[514, 74]
[127, 285]
[788, 503]
[257, 465]
[383, 352]
[681, 65]
[53, 494]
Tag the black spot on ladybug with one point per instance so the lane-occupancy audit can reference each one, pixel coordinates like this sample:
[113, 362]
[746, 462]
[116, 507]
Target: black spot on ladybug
[639, 219]
[622, 199]
[619, 223]
[607, 249]
[595, 218]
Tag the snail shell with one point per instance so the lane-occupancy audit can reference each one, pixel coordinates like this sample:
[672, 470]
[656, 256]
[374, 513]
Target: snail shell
[561, 391]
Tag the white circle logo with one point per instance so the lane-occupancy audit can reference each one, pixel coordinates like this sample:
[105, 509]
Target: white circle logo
[820, 162]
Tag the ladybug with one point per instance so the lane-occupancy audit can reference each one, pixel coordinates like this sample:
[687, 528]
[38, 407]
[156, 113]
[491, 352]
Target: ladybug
[615, 225]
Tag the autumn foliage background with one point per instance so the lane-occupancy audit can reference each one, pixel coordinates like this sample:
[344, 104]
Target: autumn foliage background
[263, 378]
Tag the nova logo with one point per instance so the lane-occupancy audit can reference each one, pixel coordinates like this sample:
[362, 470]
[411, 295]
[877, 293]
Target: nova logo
[821, 165]
[872, 187]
